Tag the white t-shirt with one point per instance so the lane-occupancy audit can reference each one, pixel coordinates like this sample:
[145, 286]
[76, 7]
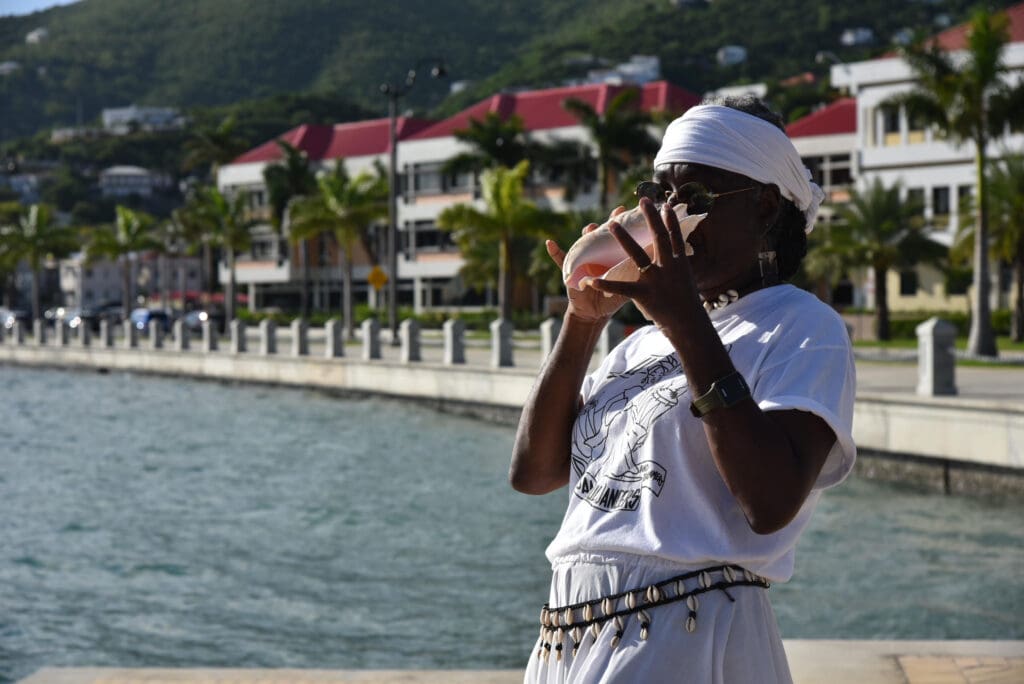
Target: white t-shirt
[643, 480]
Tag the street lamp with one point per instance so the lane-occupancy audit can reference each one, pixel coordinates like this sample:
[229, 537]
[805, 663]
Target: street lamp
[393, 93]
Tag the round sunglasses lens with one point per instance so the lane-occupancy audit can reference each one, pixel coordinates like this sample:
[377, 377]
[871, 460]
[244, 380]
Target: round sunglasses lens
[651, 191]
[697, 198]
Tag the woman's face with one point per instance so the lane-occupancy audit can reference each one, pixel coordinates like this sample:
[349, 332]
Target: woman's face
[726, 243]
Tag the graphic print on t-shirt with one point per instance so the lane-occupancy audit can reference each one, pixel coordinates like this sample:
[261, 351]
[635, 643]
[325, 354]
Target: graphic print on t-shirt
[639, 397]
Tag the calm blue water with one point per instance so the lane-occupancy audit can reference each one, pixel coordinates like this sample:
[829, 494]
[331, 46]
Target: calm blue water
[158, 522]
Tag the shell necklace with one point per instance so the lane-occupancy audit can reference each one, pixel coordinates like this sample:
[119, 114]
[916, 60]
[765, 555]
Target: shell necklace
[724, 300]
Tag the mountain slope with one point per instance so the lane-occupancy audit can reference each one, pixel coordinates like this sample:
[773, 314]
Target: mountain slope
[107, 53]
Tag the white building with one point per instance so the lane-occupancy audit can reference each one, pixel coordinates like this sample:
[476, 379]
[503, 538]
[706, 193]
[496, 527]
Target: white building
[36, 36]
[892, 147]
[89, 285]
[428, 262]
[123, 181]
[124, 120]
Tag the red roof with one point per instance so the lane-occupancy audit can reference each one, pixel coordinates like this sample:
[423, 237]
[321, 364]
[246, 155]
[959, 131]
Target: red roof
[835, 119]
[333, 142]
[542, 109]
[955, 38]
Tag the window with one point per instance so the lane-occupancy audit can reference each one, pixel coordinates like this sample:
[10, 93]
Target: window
[958, 280]
[459, 182]
[890, 126]
[908, 283]
[940, 202]
[917, 126]
[427, 179]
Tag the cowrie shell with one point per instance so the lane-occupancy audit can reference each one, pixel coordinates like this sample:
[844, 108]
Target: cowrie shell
[691, 624]
[692, 603]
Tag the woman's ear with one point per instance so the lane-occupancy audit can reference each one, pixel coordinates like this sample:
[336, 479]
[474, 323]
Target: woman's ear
[769, 204]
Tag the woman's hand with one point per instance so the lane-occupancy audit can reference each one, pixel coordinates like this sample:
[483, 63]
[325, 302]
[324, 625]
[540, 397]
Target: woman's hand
[666, 279]
[587, 304]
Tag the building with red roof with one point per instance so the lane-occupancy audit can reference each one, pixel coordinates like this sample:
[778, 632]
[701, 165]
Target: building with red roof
[428, 262]
[826, 140]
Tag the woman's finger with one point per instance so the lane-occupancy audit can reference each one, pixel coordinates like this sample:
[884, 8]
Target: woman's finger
[555, 252]
[675, 232]
[632, 249]
[617, 210]
[662, 244]
[617, 287]
[589, 228]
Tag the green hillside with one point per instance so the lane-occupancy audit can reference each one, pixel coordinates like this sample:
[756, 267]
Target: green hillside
[185, 53]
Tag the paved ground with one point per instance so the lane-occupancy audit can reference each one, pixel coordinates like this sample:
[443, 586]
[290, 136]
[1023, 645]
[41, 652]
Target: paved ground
[812, 662]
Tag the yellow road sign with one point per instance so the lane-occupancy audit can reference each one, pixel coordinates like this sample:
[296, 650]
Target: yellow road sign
[378, 278]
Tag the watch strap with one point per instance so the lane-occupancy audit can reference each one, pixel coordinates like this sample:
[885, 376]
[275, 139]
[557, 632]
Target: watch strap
[724, 392]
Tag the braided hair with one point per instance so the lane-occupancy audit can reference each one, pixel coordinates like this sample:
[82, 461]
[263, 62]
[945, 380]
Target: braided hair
[787, 235]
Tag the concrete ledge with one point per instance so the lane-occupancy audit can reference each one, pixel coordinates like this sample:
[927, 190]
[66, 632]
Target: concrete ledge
[966, 430]
[811, 662]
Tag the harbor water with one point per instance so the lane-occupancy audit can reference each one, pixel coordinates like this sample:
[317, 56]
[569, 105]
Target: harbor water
[170, 523]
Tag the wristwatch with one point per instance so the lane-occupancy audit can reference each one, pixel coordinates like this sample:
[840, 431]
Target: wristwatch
[724, 392]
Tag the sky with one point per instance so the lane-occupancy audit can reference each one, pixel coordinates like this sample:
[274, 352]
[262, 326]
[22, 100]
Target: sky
[28, 6]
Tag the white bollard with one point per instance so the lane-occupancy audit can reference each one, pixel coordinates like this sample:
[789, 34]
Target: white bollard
[237, 329]
[268, 337]
[209, 337]
[334, 348]
[613, 333]
[454, 341]
[371, 339]
[156, 335]
[84, 335]
[549, 330]
[106, 334]
[936, 362]
[501, 343]
[409, 333]
[131, 335]
[300, 337]
[39, 332]
[18, 333]
[60, 334]
[181, 340]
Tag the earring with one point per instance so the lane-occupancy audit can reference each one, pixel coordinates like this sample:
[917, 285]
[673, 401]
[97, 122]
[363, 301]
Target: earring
[767, 260]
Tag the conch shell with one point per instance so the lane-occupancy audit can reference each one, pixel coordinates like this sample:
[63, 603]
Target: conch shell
[599, 255]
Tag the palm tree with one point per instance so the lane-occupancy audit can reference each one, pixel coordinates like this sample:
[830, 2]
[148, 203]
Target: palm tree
[35, 238]
[228, 224]
[286, 180]
[493, 141]
[212, 146]
[131, 232]
[1006, 212]
[620, 134]
[345, 207]
[507, 216]
[970, 102]
[878, 230]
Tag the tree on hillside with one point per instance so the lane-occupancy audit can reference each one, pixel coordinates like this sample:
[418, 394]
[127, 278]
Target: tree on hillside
[878, 230]
[36, 237]
[620, 134]
[132, 232]
[228, 224]
[10, 214]
[345, 208]
[972, 102]
[285, 180]
[507, 216]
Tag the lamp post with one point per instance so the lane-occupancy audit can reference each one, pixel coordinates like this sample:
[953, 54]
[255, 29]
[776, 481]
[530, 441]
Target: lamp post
[394, 92]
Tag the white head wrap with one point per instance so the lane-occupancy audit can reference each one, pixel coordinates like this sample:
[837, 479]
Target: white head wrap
[735, 141]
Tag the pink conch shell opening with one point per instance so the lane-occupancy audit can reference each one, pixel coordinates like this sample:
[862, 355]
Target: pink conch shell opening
[599, 255]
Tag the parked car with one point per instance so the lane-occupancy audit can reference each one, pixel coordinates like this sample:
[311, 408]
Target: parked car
[9, 316]
[194, 320]
[141, 318]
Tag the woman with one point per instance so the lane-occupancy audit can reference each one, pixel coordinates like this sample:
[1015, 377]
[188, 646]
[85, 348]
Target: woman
[697, 451]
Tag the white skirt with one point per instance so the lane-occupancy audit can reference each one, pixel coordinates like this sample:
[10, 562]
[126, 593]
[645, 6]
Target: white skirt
[733, 643]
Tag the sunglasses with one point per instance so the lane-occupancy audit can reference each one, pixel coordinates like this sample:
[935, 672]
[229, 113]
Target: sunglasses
[697, 198]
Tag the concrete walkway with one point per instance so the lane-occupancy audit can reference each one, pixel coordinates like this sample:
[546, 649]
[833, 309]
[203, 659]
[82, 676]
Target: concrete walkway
[811, 661]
